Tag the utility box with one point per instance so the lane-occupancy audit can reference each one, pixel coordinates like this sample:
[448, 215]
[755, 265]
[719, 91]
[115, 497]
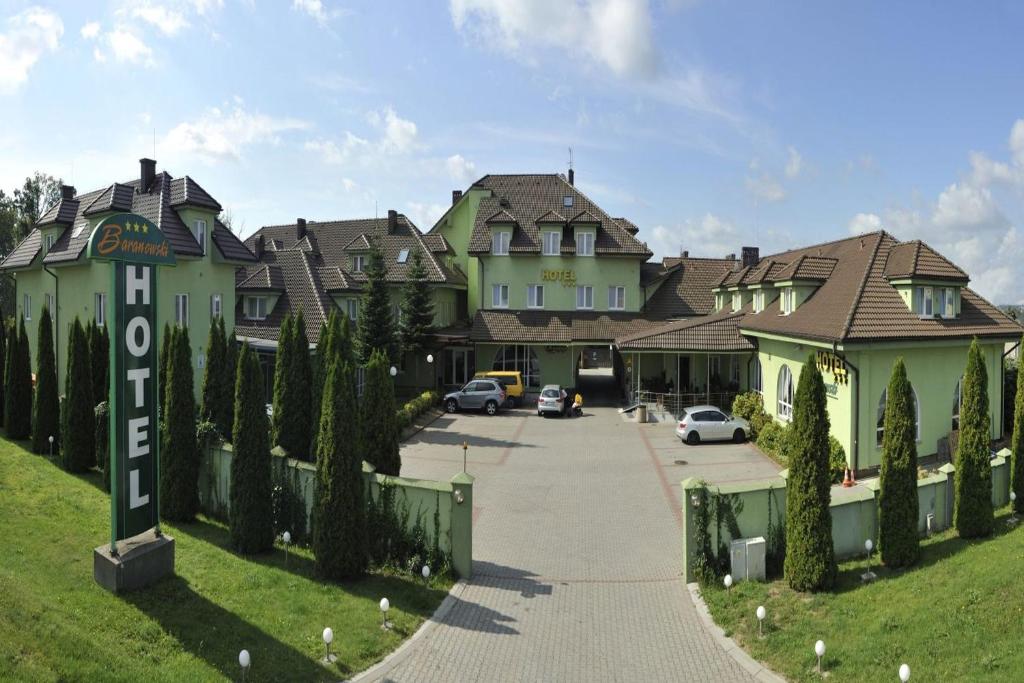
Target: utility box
[747, 559]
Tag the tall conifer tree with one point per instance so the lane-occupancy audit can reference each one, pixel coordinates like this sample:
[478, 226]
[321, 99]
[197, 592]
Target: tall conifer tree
[1017, 440]
[99, 356]
[376, 329]
[282, 373]
[179, 454]
[897, 502]
[417, 322]
[79, 419]
[19, 387]
[379, 436]
[972, 502]
[251, 513]
[46, 411]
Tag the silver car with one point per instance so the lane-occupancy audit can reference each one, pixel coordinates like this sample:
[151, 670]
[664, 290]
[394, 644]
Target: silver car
[478, 393]
[551, 401]
[708, 423]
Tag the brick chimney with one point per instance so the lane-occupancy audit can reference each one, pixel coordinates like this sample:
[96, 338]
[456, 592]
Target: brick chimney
[147, 172]
[572, 177]
[683, 253]
[300, 228]
[67, 192]
[258, 247]
[456, 196]
[392, 221]
[750, 256]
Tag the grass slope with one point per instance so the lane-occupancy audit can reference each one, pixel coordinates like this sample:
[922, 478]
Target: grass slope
[955, 616]
[56, 623]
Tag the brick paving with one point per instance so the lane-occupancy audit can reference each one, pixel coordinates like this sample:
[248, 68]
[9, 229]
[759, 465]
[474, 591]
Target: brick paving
[577, 550]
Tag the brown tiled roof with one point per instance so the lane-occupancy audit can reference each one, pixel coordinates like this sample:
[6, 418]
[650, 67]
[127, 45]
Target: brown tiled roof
[689, 290]
[652, 272]
[528, 198]
[267, 277]
[806, 267]
[857, 303]
[25, 253]
[628, 225]
[63, 211]
[295, 273]
[554, 327]
[917, 260]
[735, 277]
[154, 205]
[716, 332]
[766, 270]
[185, 191]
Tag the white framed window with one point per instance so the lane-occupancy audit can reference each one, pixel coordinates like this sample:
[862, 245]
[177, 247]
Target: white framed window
[181, 309]
[500, 241]
[26, 306]
[957, 398]
[48, 300]
[100, 308]
[50, 239]
[584, 244]
[199, 232]
[785, 397]
[756, 382]
[552, 242]
[499, 296]
[584, 297]
[535, 296]
[403, 255]
[788, 300]
[216, 305]
[758, 300]
[256, 307]
[358, 263]
[923, 301]
[880, 423]
[352, 309]
[616, 298]
[734, 370]
[737, 301]
[946, 304]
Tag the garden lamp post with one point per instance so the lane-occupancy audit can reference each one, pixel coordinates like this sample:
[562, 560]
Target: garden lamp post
[904, 673]
[426, 574]
[430, 358]
[728, 583]
[1011, 521]
[244, 661]
[328, 639]
[51, 447]
[286, 538]
[465, 447]
[760, 620]
[385, 605]
[868, 576]
[393, 371]
[819, 650]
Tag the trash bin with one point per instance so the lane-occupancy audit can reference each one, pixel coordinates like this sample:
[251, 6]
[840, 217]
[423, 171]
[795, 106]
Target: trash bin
[641, 413]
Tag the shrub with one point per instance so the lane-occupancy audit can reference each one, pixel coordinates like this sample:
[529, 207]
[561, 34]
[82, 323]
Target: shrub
[972, 503]
[810, 563]
[46, 412]
[99, 354]
[836, 459]
[897, 500]
[772, 440]
[750, 406]
[79, 419]
[179, 456]
[1017, 440]
[164, 356]
[18, 396]
[252, 514]
[216, 395]
[102, 431]
[379, 438]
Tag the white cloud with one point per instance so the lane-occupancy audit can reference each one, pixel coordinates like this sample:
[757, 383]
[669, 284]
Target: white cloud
[168, 21]
[91, 30]
[710, 236]
[794, 163]
[127, 47]
[203, 6]
[349, 184]
[424, 215]
[314, 8]
[24, 39]
[221, 135]
[399, 134]
[615, 34]
[339, 153]
[460, 169]
[766, 187]
[865, 222]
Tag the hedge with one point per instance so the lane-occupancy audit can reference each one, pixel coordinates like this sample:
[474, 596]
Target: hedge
[416, 407]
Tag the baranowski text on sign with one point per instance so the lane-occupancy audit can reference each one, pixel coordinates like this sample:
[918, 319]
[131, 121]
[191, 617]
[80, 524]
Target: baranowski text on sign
[135, 247]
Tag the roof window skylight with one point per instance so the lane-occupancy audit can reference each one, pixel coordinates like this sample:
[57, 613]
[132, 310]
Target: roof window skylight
[567, 200]
[403, 256]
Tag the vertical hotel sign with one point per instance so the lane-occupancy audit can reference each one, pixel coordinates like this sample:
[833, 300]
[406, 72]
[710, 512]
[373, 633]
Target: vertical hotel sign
[135, 247]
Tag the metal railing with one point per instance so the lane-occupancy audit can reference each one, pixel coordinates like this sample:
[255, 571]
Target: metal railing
[674, 404]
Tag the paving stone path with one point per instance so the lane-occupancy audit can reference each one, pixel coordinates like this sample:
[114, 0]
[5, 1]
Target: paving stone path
[577, 547]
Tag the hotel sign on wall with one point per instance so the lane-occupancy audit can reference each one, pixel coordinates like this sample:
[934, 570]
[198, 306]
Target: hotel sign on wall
[135, 247]
[566, 277]
[829, 362]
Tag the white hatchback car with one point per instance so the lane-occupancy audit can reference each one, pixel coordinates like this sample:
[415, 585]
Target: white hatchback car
[708, 423]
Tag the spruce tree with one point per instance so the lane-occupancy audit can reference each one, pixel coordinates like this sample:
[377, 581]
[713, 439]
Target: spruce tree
[300, 394]
[339, 539]
[417, 311]
[810, 557]
[972, 502]
[179, 453]
[19, 387]
[78, 441]
[230, 377]
[163, 359]
[251, 512]
[282, 375]
[376, 329]
[99, 355]
[213, 376]
[1017, 440]
[46, 411]
[378, 420]
[898, 507]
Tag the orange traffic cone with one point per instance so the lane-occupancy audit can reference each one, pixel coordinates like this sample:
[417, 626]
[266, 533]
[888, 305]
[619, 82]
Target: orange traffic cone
[847, 482]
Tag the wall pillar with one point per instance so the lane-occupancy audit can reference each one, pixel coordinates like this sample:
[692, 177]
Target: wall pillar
[462, 524]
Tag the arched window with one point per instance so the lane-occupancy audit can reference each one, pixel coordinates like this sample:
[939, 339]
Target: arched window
[755, 376]
[880, 423]
[785, 389]
[522, 358]
[957, 399]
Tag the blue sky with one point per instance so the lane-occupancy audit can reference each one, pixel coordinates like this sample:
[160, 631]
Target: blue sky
[710, 124]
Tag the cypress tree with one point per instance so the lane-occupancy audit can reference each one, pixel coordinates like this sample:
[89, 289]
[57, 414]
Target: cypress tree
[46, 411]
[99, 354]
[19, 386]
[10, 351]
[282, 375]
[343, 342]
[898, 508]
[972, 502]
[3, 367]
[810, 557]
[230, 377]
[376, 329]
[252, 522]
[213, 376]
[417, 322]
[164, 357]
[1017, 440]
[179, 454]
[300, 395]
[79, 419]
[339, 540]
[320, 367]
[379, 438]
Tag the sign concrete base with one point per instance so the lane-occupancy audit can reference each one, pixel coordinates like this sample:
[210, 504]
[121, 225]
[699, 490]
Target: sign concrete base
[143, 560]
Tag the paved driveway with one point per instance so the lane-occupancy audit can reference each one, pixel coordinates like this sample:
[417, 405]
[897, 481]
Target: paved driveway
[577, 552]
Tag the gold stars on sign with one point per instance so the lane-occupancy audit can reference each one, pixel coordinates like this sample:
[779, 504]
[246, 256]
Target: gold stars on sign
[137, 227]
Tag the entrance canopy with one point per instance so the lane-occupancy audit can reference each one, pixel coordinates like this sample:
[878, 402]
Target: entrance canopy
[718, 332]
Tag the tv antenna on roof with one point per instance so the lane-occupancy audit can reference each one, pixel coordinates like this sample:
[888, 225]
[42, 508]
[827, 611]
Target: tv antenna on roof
[570, 158]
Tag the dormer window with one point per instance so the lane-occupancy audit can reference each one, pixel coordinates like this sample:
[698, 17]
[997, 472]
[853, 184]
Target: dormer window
[50, 239]
[758, 301]
[358, 263]
[737, 301]
[945, 302]
[567, 201]
[500, 241]
[552, 242]
[788, 300]
[199, 232]
[584, 244]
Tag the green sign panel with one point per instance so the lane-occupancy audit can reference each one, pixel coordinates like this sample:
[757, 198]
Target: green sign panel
[135, 247]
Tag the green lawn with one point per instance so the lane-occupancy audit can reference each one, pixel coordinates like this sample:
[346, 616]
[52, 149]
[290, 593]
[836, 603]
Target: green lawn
[958, 615]
[56, 623]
